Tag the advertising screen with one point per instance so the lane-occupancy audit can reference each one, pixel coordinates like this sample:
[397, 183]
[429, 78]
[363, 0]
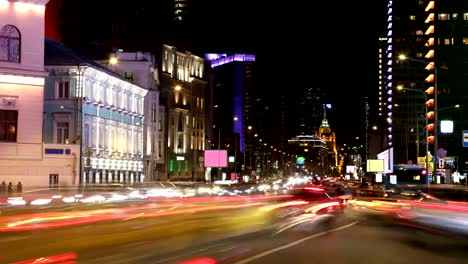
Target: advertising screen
[216, 158]
[387, 157]
[375, 165]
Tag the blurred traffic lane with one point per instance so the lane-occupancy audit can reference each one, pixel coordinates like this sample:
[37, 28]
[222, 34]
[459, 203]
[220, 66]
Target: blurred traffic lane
[170, 231]
[224, 230]
[341, 242]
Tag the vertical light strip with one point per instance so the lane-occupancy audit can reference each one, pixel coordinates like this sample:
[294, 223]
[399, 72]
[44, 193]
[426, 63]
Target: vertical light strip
[389, 73]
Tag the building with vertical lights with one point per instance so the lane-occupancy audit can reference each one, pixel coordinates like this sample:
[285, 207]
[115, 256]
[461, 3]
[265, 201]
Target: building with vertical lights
[87, 104]
[235, 119]
[432, 36]
[378, 128]
[405, 114]
[23, 156]
[183, 93]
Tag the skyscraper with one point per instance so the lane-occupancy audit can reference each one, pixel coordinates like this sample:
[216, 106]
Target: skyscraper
[432, 35]
[237, 106]
[309, 111]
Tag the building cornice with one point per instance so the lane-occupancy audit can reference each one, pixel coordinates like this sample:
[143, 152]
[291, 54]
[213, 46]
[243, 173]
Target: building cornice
[36, 2]
[23, 72]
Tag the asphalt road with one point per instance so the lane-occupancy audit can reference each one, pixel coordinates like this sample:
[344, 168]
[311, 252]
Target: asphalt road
[342, 241]
[237, 236]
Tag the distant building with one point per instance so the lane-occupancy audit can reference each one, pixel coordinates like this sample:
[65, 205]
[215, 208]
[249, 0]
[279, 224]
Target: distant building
[311, 155]
[325, 132]
[309, 108]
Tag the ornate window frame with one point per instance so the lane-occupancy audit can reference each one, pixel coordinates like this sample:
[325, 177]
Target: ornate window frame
[10, 44]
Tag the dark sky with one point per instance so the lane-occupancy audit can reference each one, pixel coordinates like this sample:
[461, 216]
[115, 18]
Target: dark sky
[331, 45]
[299, 44]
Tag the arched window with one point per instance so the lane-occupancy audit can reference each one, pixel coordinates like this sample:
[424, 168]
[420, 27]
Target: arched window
[10, 44]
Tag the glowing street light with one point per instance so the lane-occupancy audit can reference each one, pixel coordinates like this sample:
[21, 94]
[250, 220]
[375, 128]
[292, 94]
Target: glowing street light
[432, 64]
[401, 88]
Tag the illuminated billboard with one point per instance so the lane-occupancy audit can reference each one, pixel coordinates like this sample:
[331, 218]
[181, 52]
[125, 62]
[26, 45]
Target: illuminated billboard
[387, 157]
[216, 158]
[375, 165]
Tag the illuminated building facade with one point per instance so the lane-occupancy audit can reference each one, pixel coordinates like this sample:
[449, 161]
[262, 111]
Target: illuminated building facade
[329, 137]
[432, 35]
[405, 109]
[23, 156]
[140, 68]
[89, 105]
[378, 129]
[183, 93]
[236, 106]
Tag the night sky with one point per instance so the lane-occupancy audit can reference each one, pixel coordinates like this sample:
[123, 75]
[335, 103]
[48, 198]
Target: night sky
[331, 45]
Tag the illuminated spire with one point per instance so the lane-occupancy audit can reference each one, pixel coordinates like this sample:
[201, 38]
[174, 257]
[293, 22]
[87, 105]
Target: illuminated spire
[324, 120]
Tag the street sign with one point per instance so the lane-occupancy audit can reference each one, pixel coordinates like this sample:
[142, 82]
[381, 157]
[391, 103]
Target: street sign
[465, 138]
[441, 164]
[441, 153]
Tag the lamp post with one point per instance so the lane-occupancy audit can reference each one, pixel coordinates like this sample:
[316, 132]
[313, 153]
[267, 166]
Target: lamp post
[80, 169]
[436, 120]
[399, 87]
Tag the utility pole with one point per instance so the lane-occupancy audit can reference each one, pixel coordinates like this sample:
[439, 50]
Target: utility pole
[367, 130]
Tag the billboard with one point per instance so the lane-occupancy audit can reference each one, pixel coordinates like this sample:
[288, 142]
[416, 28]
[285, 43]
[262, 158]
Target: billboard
[375, 165]
[387, 157]
[216, 158]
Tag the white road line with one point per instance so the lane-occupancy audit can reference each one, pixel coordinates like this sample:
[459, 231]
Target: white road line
[226, 249]
[266, 253]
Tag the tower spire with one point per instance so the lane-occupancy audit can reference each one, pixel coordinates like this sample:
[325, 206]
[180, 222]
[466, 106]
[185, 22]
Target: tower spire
[324, 120]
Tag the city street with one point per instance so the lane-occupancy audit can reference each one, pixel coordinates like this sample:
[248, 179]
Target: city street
[234, 232]
[342, 242]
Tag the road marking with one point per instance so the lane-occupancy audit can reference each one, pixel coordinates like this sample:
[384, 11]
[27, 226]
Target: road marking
[226, 249]
[266, 253]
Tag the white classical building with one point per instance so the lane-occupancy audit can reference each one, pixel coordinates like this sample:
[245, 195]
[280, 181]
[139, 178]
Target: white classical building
[23, 156]
[140, 68]
[85, 98]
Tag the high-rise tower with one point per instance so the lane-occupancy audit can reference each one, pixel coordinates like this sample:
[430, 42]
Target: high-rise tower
[432, 36]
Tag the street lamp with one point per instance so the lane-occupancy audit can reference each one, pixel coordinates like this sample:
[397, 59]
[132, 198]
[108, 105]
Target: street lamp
[400, 87]
[403, 57]
[80, 169]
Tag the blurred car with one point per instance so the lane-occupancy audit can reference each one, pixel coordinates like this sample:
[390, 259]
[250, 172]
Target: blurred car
[412, 208]
[328, 197]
